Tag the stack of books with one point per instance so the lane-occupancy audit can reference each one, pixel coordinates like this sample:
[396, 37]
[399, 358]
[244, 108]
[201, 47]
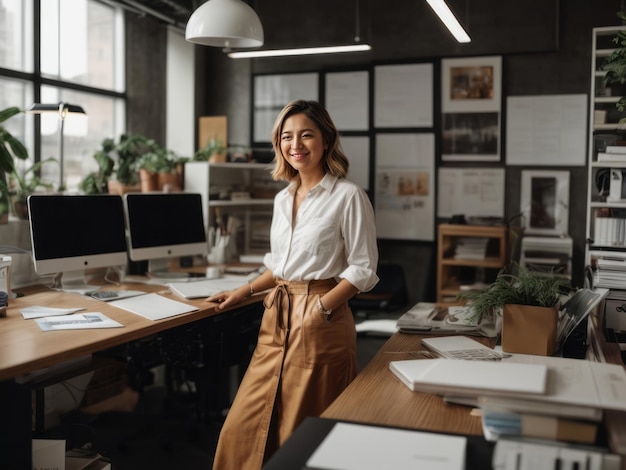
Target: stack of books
[556, 400]
[471, 248]
[610, 269]
[613, 153]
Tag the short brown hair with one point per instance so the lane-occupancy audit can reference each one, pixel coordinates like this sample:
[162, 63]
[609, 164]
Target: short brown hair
[335, 161]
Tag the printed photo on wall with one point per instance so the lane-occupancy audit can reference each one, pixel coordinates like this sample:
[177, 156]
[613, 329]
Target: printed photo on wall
[471, 95]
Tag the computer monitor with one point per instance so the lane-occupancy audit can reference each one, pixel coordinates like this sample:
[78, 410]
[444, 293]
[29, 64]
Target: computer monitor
[163, 226]
[73, 233]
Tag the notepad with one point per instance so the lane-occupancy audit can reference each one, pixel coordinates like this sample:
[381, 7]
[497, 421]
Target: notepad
[153, 306]
[206, 287]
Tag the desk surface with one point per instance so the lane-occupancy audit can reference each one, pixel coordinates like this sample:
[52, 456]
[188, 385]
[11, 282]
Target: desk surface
[376, 396]
[25, 348]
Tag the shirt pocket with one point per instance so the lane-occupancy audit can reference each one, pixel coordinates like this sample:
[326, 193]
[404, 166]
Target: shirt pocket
[320, 236]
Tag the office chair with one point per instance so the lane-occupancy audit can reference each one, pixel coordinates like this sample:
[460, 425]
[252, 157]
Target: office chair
[388, 296]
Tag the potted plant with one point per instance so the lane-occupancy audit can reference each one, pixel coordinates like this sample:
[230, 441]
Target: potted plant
[160, 168]
[615, 66]
[214, 151]
[15, 187]
[529, 304]
[118, 165]
[10, 148]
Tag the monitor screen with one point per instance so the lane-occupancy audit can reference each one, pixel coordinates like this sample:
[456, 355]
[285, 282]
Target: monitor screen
[76, 232]
[164, 225]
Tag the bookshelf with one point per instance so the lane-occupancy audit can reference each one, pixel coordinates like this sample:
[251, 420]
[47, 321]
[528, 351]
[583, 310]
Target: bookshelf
[458, 269]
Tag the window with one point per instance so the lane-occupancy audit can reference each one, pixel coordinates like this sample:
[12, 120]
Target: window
[82, 62]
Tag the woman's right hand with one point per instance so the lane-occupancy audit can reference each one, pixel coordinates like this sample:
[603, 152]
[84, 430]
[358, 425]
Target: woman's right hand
[230, 297]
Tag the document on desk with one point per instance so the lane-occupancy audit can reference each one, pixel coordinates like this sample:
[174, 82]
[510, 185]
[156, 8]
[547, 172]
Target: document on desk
[37, 311]
[153, 306]
[77, 321]
[206, 287]
[361, 447]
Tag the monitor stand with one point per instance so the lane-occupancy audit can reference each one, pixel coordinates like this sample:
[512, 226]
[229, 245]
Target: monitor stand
[76, 282]
[159, 269]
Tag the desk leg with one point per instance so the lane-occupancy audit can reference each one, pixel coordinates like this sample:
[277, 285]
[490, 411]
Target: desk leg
[16, 412]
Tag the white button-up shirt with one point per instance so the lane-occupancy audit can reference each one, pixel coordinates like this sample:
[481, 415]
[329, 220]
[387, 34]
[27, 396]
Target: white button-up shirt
[334, 235]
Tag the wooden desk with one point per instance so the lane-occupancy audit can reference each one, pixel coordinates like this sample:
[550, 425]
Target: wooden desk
[24, 348]
[376, 396]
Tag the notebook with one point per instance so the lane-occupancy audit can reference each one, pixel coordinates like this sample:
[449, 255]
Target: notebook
[462, 347]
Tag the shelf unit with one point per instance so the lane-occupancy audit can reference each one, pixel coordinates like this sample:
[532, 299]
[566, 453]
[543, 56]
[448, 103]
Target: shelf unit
[604, 214]
[452, 271]
[244, 191]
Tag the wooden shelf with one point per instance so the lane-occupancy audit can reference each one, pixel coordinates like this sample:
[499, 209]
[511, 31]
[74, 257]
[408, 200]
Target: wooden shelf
[450, 268]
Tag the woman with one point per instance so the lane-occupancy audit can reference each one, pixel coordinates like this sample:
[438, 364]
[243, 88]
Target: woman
[323, 252]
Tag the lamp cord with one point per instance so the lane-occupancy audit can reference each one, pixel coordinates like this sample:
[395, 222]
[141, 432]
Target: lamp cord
[357, 35]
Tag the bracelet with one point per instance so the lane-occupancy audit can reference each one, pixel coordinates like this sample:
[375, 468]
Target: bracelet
[251, 288]
[321, 308]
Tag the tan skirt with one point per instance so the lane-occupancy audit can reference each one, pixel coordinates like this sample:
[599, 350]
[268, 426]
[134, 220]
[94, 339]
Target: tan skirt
[303, 360]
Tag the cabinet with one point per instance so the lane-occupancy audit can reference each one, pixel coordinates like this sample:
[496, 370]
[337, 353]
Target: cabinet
[237, 197]
[472, 268]
[606, 195]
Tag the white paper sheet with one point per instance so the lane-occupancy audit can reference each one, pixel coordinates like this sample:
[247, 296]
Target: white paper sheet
[37, 311]
[360, 447]
[153, 306]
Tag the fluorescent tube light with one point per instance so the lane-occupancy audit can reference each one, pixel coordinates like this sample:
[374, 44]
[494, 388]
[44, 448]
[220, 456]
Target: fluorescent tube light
[301, 51]
[449, 20]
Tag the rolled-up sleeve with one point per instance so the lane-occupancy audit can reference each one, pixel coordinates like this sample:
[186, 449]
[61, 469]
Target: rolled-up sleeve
[359, 232]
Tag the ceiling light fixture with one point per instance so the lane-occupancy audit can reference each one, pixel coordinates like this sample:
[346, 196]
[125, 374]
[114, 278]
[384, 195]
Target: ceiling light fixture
[449, 20]
[225, 23]
[357, 47]
[301, 51]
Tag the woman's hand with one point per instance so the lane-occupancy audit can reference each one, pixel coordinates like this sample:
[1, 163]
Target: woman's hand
[230, 297]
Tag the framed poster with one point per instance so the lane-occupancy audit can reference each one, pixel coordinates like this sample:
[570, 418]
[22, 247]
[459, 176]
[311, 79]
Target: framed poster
[471, 96]
[273, 92]
[545, 202]
[405, 185]
[347, 99]
[403, 95]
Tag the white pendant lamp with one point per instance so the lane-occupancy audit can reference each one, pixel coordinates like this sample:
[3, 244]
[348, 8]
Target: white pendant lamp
[225, 23]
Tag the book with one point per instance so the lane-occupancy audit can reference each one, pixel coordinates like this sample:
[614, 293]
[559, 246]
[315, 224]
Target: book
[569, 382]
[611, 157]
[497, 424]
[471, 377]
[618, 149]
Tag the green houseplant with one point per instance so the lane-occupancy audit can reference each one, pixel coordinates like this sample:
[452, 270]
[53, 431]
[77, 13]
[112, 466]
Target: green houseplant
[16, 186]
[615, 66]
[118, 164]
[528, 302]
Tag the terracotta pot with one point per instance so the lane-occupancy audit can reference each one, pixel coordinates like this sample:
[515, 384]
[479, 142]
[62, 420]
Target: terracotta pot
[529, 330]
[149, 181]
[170, 181]
[115, 187]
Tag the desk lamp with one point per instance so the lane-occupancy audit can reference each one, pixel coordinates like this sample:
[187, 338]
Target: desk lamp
[63, 109]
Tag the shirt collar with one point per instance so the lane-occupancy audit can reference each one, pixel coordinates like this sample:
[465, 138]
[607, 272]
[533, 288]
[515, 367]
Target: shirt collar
[327, 182]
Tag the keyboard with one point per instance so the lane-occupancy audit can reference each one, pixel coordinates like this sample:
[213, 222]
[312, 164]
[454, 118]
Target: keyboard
[107, 295]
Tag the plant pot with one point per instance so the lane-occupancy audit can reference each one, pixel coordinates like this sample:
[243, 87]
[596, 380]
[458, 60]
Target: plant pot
[115, 187]
[149, 181]
[19, 207]
[528, 329]
[169, 181]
